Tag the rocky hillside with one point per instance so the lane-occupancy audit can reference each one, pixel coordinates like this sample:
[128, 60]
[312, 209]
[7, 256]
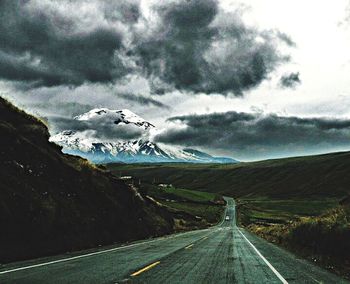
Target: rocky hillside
[51, 202]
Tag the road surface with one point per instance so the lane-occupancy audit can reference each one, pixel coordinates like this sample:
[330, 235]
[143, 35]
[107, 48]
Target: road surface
[221, 254]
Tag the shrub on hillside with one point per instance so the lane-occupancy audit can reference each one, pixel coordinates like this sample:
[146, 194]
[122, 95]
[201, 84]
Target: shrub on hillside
[327, 235]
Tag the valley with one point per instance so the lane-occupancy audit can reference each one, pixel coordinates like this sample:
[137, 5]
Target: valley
[190, 209]
[299, 203]
[54, 203]
[181, 141]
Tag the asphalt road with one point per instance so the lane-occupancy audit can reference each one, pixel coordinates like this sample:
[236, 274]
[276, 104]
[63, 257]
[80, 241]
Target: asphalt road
[222, 254]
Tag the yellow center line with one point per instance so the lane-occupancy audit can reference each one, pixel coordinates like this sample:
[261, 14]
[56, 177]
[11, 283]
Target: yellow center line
[148, 267]
[191, 245]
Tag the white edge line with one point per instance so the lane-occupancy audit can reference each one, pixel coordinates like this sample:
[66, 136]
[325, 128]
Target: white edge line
[280, 277]
[94, 253]
[71, 258]
[98, 252]
[103, 251]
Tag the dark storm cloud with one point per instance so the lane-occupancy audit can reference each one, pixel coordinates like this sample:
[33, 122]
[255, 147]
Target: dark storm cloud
[290, 80]
[39, 43]
[197, 47]
[187, 45]
[253, 134]
[101, 131]
[143, 100]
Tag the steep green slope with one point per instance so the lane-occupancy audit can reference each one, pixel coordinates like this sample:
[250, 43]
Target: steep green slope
[301, 177]
[51, 203]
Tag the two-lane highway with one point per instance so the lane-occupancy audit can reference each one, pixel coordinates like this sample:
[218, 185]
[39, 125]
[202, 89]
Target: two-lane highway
[221, 254]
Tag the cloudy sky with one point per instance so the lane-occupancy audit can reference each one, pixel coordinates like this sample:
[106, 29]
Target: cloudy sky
[253, 80]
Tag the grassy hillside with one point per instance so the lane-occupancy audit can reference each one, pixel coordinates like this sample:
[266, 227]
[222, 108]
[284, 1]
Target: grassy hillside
[51, 203]
[323, 176]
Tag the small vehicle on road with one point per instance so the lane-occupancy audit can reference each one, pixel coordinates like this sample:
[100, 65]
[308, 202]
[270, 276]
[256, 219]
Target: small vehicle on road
[227, 218]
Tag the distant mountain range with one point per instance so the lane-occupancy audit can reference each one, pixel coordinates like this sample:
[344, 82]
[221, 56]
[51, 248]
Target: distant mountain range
[132, 151]
[136, 151]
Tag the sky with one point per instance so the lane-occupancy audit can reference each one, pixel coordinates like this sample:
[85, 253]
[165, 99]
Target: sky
[253, 79]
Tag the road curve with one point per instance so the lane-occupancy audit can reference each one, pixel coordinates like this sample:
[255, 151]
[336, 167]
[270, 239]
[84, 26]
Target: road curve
[221, 254]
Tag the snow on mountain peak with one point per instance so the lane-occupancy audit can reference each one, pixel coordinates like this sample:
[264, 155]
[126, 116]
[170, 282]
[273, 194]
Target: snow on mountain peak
[87, 144]
[128, 151]
[106, 115]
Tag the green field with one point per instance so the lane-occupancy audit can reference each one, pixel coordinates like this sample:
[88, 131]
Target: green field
[281, 211]
[210, 213]
[190, 209]
[184, 194]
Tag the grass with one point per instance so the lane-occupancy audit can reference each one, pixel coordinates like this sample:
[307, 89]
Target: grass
[190, 209]
[296, 207]
[184, 194]
[327, 235]
[316, 229]
[211, 213]
[281, 211]
[313, 177]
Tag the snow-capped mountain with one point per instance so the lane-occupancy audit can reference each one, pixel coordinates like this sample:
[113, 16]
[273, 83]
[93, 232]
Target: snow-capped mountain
[105, 115]
[134, 151]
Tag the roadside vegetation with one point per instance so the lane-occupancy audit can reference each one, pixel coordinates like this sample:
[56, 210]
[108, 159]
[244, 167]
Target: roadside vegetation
[316, 229]
[190, 209]
[264, 211]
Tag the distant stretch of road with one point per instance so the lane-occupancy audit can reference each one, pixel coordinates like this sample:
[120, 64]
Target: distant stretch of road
[221, 254]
